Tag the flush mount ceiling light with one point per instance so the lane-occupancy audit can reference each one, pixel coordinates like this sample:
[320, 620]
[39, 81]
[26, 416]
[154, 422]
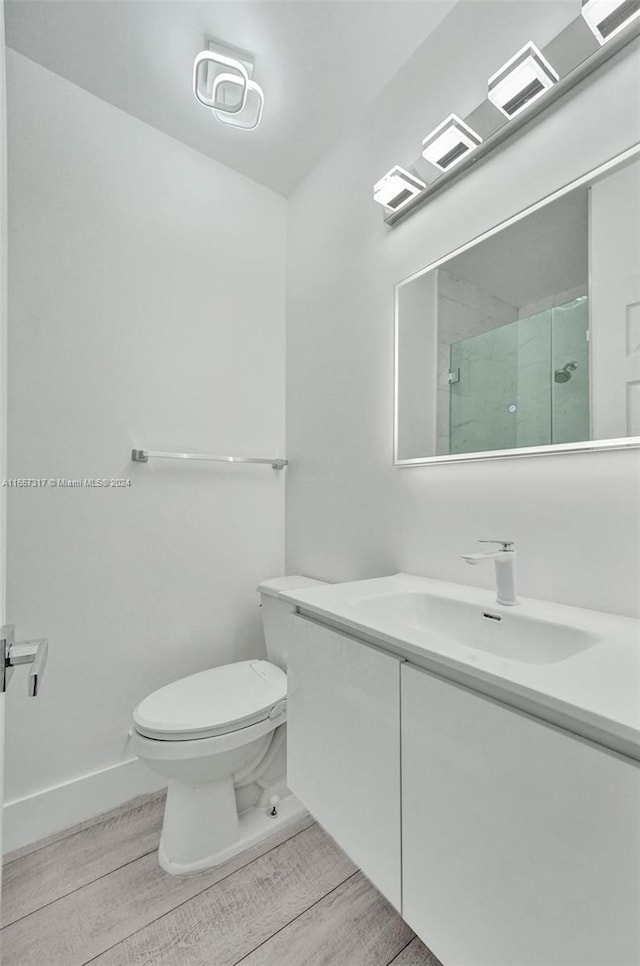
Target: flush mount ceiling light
[223, 82]
[521, 81]
[396, 188]
[606, 18]
[449, 142]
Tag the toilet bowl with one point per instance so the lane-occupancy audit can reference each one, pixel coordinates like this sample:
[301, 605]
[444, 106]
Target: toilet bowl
[218, 737]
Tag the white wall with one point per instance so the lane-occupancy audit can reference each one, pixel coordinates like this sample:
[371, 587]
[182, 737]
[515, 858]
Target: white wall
[3, 369]
[350, 513]
[146, 309]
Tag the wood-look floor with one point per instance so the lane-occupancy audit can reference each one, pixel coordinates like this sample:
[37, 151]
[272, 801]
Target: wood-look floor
[95, 894]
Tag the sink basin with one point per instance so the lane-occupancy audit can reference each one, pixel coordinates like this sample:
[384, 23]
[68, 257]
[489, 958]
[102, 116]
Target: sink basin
[496, 630]
[576, 668]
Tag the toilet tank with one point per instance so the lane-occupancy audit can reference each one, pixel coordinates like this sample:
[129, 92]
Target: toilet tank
[276, 614]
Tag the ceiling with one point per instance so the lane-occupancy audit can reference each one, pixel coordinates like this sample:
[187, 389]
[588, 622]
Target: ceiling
[320, 62]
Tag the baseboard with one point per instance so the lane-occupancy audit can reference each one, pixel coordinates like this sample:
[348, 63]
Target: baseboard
[35, 816]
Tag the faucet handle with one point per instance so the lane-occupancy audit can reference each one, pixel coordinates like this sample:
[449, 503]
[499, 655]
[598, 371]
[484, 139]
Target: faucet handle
[506, 545]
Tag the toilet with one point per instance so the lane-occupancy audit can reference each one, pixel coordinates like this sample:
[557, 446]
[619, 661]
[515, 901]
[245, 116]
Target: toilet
[218, 737]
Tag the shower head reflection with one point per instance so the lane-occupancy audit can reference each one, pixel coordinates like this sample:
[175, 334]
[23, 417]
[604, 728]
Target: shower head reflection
[564, 374]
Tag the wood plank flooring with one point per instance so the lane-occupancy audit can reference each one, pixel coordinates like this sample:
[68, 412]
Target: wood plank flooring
[95, 894]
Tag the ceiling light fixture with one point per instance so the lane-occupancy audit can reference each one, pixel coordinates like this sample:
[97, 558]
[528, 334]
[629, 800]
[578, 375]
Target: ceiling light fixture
[606, 18]
[521, 81]
[251, 115]
[449, 143]
[223, 82]
[396, 188]
[207, 95]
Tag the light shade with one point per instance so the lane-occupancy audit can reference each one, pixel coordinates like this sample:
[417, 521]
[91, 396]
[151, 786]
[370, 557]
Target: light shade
[606, 18]
[521, 81]
[215, 99]
[228, 87]
[397, 188]
[449, 143]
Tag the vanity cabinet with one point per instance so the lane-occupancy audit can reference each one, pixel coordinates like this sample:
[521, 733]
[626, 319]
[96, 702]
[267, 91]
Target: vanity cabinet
[521, 842]
[343, 745]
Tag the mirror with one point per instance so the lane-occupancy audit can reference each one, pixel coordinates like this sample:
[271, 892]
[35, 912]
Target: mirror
[527, 340]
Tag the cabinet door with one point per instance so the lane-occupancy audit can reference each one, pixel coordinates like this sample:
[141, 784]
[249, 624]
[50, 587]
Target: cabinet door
[521, 843]
[343, 741]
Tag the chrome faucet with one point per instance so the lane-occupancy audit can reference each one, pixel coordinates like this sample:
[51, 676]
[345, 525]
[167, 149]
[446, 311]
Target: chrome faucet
[505, 561]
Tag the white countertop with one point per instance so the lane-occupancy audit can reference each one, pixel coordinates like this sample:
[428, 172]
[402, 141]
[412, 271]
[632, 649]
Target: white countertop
[594, 693]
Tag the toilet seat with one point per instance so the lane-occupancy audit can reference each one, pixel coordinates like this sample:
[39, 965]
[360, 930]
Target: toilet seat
[219, 701]
[152, 749]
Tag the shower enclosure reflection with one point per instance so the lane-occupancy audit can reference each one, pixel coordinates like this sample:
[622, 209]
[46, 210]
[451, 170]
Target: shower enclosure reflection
[530, 338]
[525, 383]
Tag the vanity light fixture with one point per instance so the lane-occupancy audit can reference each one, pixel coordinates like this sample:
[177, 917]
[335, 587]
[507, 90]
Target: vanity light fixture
[396, 188]
[521, 81]
[449, 143]
[516, 91]
[606, 18]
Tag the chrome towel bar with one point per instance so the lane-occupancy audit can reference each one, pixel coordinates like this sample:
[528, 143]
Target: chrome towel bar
[144, 455]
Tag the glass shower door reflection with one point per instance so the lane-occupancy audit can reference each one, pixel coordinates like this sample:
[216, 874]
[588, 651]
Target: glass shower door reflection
[523, 384]
[482, 416]
[570, 365]
[534, 417]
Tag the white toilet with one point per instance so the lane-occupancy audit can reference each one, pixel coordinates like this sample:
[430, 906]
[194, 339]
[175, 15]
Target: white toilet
[219, 738]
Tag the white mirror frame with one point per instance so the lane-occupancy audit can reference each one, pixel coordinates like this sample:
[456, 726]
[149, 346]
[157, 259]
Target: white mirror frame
[628, 442]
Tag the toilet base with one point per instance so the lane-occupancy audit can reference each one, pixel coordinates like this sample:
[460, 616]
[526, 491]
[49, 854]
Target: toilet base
[253, 826]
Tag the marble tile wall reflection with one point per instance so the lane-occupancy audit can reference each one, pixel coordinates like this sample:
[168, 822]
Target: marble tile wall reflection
[534, 380]
[481, 418]
[507, 396]
[570, 399]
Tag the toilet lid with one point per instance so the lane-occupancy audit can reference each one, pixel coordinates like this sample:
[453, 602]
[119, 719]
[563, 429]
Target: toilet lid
[213, 702]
